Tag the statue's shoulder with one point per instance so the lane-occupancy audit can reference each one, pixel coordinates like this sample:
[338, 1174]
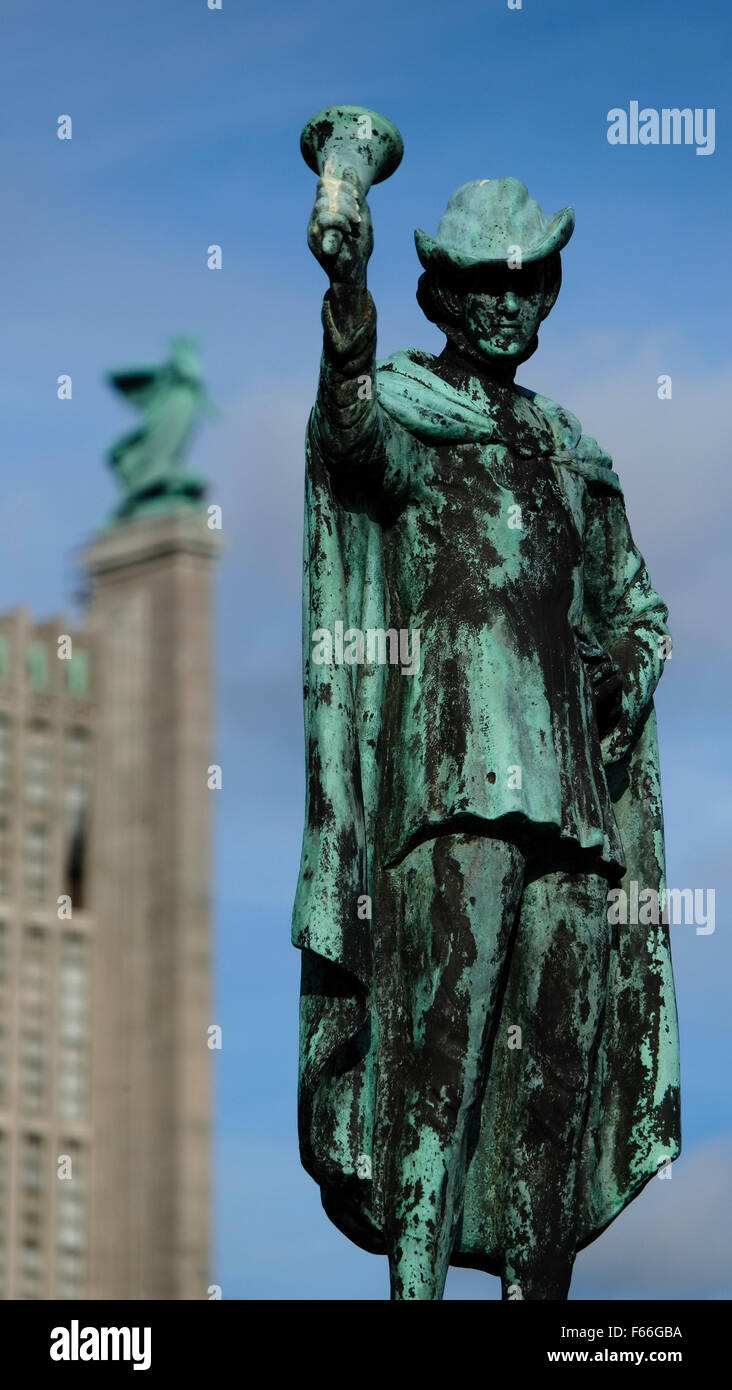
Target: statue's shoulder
[579, 452]
[410, 363]
[567, 428]
[416, 398]
[404, 385]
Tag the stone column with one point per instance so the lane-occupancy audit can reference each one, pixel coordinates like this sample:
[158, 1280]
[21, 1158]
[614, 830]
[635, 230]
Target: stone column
[150, 610]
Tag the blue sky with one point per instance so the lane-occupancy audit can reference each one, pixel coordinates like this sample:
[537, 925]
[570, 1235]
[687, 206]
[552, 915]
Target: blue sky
[186, 126]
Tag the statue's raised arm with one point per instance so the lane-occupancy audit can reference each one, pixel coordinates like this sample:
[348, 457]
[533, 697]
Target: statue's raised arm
[350, 148]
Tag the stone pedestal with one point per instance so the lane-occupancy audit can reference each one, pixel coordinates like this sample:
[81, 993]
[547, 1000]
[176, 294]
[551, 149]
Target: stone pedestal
[150, 611]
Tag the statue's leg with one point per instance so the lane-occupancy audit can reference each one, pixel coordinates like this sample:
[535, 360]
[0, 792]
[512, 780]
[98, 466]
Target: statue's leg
[455, 901]
[559, 978]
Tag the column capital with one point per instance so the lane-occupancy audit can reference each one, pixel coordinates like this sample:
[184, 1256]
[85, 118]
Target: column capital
[149, 538]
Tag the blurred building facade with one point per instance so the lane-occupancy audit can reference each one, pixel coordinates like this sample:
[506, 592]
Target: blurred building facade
[47, 727]
[105, 748]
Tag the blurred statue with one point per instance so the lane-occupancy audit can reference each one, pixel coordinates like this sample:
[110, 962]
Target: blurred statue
[172, 399]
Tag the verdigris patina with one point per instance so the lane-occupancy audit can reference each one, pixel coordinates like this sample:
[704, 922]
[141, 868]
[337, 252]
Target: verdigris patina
[147, 463]
[489, 1062]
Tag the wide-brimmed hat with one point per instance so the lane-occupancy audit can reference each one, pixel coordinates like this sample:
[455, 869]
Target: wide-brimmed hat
[486, 220]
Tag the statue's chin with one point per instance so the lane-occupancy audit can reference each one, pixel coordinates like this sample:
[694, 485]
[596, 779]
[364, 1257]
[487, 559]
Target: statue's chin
[503, 357]
[505, 347]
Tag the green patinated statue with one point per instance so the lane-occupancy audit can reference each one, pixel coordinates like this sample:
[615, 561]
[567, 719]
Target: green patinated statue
[489, 1063]
[147, 463]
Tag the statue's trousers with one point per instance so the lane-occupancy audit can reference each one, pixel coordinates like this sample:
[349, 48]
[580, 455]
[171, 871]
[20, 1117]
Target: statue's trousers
[473, 918]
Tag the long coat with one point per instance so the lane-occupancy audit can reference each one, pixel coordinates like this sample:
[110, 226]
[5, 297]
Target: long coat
[633, 1117]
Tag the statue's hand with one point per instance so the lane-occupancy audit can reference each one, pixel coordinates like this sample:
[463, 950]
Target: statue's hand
[606, 677]
[340, 234]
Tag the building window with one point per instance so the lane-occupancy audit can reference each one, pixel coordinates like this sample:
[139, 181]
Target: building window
[4, 858]
[36, 863]
[76, 796]
[32, 1069]
[6, 750]
[77, 753]
[77, 674]
[33, 968]
[31, 1215]
[73, 1038]
[71, 1225]
[31, 1163]
[37, 666]
[38, 765]
[34, 1013]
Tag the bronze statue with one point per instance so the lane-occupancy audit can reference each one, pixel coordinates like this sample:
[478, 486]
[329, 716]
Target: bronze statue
[489, 1065]
[147, 463]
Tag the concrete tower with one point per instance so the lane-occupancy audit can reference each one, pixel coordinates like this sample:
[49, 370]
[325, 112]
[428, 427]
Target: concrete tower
[150, 619]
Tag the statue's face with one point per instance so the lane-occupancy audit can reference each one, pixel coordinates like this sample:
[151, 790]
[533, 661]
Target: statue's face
[502, 310]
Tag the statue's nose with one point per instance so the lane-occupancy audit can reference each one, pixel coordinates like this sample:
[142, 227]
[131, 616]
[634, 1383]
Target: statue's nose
[510, 303]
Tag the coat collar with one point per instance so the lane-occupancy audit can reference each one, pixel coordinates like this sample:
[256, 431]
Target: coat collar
[433, 410]
[414, 395]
